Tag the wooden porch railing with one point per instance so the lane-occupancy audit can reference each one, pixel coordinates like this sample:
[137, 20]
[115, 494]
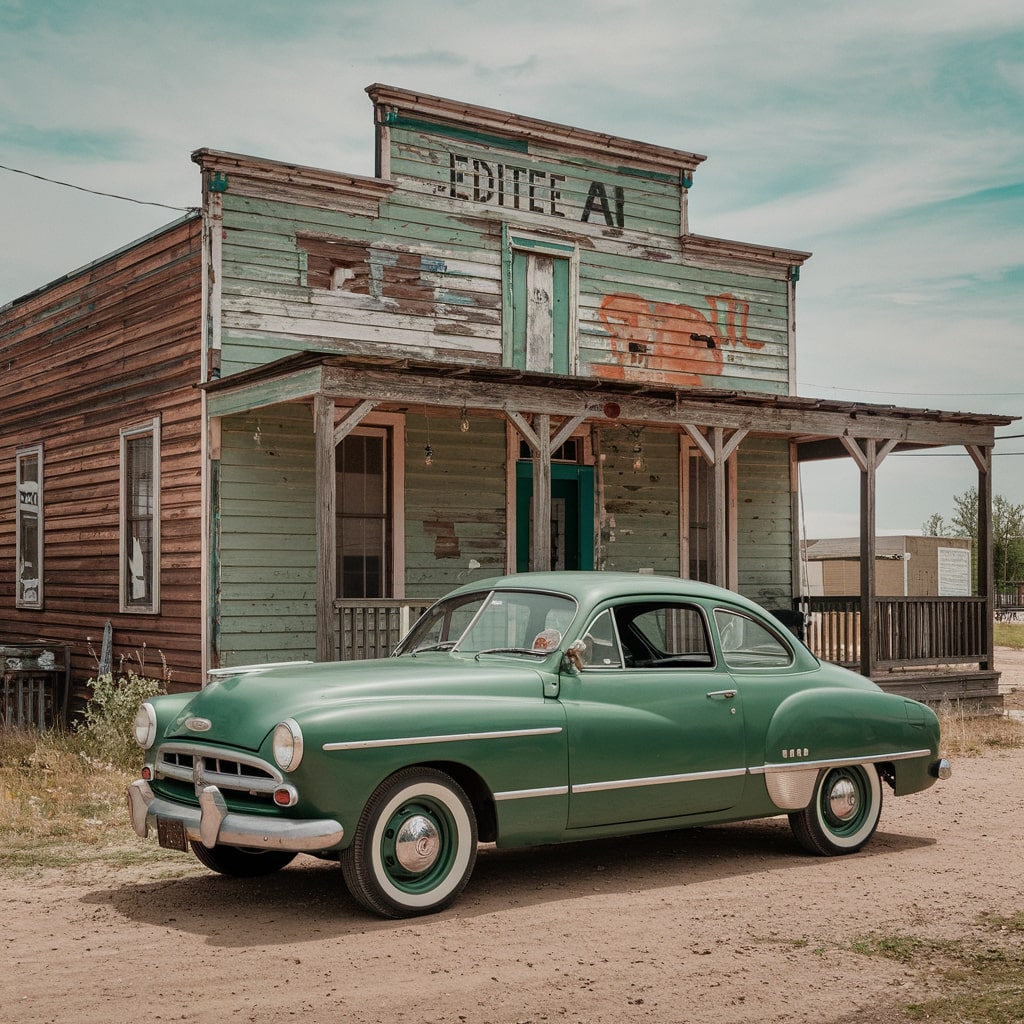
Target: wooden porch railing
[371, 627]
[908, 630]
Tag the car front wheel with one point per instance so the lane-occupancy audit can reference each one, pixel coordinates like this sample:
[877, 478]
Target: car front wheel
[240, 862]
[414, 846]
[844, 813]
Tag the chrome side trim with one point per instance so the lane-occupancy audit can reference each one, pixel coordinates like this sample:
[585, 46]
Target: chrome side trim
[409, 741]
[657, 780]
[839, 762]
[526, 794]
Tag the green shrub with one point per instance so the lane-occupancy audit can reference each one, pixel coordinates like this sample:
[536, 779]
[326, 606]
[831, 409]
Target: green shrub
[107, 732]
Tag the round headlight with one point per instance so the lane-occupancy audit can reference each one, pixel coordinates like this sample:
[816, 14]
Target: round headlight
[288, 745]
[144, 726]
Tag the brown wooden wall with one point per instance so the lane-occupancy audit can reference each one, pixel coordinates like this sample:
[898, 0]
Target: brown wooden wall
[110, 346]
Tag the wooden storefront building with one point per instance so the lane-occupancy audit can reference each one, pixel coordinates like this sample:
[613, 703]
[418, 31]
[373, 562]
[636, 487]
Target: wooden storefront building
[277, 429]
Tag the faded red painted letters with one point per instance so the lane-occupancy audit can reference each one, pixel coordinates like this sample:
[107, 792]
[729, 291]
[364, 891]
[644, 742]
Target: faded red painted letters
[671, 342]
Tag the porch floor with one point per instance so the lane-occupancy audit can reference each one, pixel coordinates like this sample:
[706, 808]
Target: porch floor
[933, 685]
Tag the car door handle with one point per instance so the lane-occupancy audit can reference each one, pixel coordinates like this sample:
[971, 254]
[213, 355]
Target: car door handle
[723, 694]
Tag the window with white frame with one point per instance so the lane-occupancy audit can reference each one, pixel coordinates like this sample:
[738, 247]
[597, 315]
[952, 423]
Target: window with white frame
[140, 517]
[29, 527]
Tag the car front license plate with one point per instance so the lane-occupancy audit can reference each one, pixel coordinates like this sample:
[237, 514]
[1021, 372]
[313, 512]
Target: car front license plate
[171, 833]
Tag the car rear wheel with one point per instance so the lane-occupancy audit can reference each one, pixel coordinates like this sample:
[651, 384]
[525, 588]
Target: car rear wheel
[414, 846]
[240, 862]
[844, 813]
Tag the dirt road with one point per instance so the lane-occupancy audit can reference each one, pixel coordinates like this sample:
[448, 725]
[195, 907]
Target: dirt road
[728, 924]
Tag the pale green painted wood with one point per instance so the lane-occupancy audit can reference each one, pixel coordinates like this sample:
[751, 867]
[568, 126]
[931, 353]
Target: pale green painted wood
[640, 527]
[764, 522]
[456, 507]
[267, 541]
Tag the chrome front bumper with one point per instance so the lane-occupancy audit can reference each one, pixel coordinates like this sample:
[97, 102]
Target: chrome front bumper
[212, 824]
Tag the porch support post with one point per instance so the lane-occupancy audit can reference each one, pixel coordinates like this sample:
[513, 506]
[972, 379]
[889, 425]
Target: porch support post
[540, 534]
[326, 569]
[541, 443]
[868, 459]
[986, 570]
[717, 452]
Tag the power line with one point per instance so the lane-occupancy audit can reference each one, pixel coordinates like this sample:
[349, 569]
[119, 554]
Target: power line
[918, 394]
[92, 191]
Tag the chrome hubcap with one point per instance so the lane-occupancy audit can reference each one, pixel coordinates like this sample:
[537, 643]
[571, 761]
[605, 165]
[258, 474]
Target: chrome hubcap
[842, 800]
[417, 844]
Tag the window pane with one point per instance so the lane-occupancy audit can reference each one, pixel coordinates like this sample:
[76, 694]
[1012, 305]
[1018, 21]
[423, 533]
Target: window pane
[747, 644]
[363, 516]
[139, 502]
[29, 530]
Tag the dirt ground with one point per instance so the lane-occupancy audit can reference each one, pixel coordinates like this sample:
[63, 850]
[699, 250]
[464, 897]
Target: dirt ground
[724, 925]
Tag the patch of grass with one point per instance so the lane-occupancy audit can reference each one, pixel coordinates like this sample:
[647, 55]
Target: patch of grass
[1009, 634]
[58, 806]
[982, 979]
[965, 733]
[62, 792]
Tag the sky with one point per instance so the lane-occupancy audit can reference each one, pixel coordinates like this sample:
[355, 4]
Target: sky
[884, 136]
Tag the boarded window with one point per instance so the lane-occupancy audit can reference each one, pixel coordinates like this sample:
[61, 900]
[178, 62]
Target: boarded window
[140, 518]
[29, 528]
[539, 327]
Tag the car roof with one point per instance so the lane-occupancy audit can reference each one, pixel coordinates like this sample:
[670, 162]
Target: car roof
[592, 587]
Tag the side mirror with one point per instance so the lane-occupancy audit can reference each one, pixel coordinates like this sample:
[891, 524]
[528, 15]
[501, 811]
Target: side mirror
[575, 654]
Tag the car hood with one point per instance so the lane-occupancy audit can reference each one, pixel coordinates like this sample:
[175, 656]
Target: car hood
[241, 711]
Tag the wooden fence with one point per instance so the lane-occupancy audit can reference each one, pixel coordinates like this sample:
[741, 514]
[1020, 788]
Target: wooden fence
[371, 628]
[908, 630]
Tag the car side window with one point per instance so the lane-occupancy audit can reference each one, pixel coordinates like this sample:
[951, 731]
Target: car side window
[657, 635]
[601, 644]
[748, 644]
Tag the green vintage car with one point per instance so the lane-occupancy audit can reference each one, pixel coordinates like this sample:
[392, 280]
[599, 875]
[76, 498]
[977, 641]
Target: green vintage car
[535, 708]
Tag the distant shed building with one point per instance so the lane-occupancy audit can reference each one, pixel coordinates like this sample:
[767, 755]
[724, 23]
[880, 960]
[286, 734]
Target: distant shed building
[905, 566]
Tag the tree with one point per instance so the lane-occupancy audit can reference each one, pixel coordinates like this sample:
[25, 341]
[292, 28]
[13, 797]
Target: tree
[1007, 532]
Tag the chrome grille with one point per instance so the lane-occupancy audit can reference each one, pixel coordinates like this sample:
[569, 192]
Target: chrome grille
[208, 766]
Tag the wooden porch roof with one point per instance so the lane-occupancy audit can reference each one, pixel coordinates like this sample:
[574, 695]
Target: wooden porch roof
[816, 425]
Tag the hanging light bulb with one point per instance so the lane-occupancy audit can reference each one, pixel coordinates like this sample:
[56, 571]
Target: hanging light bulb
[639, 464]
[464, 420]
[428, 448]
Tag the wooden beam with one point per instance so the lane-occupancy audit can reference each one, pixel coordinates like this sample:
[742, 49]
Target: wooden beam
[540, 534]
[326, 520]
[868, 463]
[352, 420]
[986, 568]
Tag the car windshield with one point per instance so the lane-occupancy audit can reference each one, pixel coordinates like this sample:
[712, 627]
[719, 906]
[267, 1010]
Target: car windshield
[524, 621]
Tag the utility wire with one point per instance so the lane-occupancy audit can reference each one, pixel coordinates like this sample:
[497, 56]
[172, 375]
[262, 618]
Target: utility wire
[918, 394]
[92, 191]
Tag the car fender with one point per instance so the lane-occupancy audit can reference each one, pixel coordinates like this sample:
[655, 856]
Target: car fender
[515, 746]
[819, 728]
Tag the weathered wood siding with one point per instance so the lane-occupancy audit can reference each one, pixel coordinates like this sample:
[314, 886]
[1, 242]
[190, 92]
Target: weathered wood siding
[638, 513]
[104, 348]
[455, 508]
[764, 522]
[419, 273]
[267, 537]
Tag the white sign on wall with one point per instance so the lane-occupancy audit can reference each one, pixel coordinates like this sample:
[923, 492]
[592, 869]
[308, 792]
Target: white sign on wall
[954, 572]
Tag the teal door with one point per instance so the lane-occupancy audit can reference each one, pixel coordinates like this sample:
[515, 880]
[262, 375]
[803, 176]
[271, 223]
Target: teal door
[572, 516]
